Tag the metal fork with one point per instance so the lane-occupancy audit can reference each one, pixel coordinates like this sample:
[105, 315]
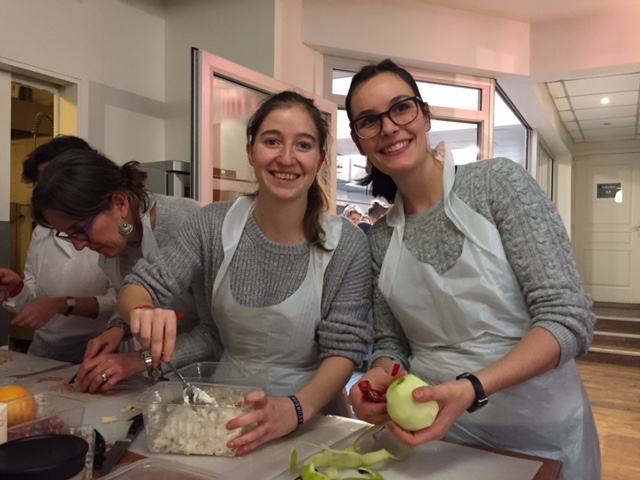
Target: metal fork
[190, 391]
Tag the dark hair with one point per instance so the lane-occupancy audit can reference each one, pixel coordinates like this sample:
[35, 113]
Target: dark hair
[317, 201]
[382, 185]
[47, 152]
[377, 210]
[80, 184]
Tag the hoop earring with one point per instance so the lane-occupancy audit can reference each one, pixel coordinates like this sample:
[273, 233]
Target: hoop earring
[125, 228]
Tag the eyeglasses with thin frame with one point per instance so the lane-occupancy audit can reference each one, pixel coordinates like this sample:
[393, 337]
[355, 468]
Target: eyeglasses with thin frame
[81, 236]
[401, 113]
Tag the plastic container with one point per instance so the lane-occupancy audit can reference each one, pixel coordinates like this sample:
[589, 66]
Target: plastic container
[44, 457]
[55, 414]
[175, 427]
[155, 469]
[251, 375]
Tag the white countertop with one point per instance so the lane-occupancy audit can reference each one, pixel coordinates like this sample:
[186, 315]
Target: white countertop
[435, 460]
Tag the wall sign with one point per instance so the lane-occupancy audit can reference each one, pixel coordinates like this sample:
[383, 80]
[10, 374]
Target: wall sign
[608, 190]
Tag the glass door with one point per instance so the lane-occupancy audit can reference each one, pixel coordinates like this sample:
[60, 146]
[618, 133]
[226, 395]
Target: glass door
[225, 95]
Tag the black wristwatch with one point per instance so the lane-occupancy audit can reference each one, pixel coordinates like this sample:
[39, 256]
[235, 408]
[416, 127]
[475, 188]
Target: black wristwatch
[481, 397]
[153, 371]
[71, 304]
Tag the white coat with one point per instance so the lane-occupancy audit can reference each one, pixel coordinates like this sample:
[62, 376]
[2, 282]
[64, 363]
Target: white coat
[54, 268]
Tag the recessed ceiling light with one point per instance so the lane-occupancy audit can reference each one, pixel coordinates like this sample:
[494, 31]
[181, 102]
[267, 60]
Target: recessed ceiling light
[604, 100]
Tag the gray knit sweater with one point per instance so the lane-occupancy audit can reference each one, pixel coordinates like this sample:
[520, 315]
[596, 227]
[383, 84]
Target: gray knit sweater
[198, 340]
[264, 273]
[534, 239]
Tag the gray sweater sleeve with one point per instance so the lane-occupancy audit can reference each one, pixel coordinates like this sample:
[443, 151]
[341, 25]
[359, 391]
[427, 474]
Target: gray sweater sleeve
[195, 254]
[535, 242]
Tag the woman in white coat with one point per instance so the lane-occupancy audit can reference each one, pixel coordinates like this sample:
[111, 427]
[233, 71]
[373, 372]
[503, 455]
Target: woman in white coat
[476, 289]
[64, 295]
[288, 284]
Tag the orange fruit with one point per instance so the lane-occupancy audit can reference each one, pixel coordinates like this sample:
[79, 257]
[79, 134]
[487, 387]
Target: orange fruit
[21, 406]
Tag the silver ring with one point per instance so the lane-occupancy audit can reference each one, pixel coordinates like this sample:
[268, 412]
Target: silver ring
[105, 377]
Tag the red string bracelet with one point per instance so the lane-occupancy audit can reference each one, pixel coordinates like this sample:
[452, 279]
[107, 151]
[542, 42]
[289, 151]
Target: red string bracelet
[140, 307]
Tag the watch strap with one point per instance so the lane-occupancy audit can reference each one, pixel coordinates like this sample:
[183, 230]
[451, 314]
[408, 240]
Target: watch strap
[481, 396]
[71, 305]
[126, 329]
[152, 371]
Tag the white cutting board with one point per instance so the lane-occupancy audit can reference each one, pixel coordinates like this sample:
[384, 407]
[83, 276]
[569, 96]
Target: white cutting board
[271, 459]
[18, 363]
[448, 461]
[433, 461]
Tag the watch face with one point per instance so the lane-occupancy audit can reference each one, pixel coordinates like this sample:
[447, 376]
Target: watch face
[155, 374]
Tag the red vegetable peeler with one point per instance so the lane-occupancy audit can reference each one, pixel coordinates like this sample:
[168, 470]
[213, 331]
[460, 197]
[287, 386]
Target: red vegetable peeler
[371, 394]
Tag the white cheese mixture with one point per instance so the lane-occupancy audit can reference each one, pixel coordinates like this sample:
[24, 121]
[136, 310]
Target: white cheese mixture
[193, 429]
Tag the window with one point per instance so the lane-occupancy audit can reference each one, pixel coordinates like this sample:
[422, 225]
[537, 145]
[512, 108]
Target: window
[224, 96]
[544, 174]
[510, 131]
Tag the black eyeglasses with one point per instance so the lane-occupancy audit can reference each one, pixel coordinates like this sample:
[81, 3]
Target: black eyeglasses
[80, 236]
[401, 113]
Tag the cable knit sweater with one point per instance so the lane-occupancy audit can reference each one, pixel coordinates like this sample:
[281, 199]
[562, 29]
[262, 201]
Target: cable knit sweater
[264, 273]
[535, 242]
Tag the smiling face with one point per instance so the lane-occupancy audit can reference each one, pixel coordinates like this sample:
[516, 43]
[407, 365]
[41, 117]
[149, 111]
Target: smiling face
[396, 150]
[286, 154]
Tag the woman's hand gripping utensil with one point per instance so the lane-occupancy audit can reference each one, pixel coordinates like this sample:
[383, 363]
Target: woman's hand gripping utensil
[373, 395]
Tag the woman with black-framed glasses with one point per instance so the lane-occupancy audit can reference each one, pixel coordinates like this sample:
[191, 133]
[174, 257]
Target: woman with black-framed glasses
[63, 295]
[92, 202]
[476, 289]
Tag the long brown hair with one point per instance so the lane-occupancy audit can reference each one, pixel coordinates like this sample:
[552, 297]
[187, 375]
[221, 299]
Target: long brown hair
[317, 201]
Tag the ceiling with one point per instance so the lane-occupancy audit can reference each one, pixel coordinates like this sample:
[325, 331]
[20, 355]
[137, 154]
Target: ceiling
[578, 100]
[588, 119]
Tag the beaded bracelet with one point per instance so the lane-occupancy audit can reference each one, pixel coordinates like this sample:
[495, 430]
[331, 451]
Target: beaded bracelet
[299, 413]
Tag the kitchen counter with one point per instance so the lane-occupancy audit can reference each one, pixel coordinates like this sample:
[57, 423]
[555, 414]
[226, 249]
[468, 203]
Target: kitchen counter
[435, 460]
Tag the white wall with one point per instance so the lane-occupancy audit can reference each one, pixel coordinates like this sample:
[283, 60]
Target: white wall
[417, 33]
[113, 50]
[131, 60]
[295, 62]
[521, 57]
[584, 46]
[241, 31]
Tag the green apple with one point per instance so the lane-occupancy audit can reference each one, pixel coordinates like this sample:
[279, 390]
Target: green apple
[404, 409]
